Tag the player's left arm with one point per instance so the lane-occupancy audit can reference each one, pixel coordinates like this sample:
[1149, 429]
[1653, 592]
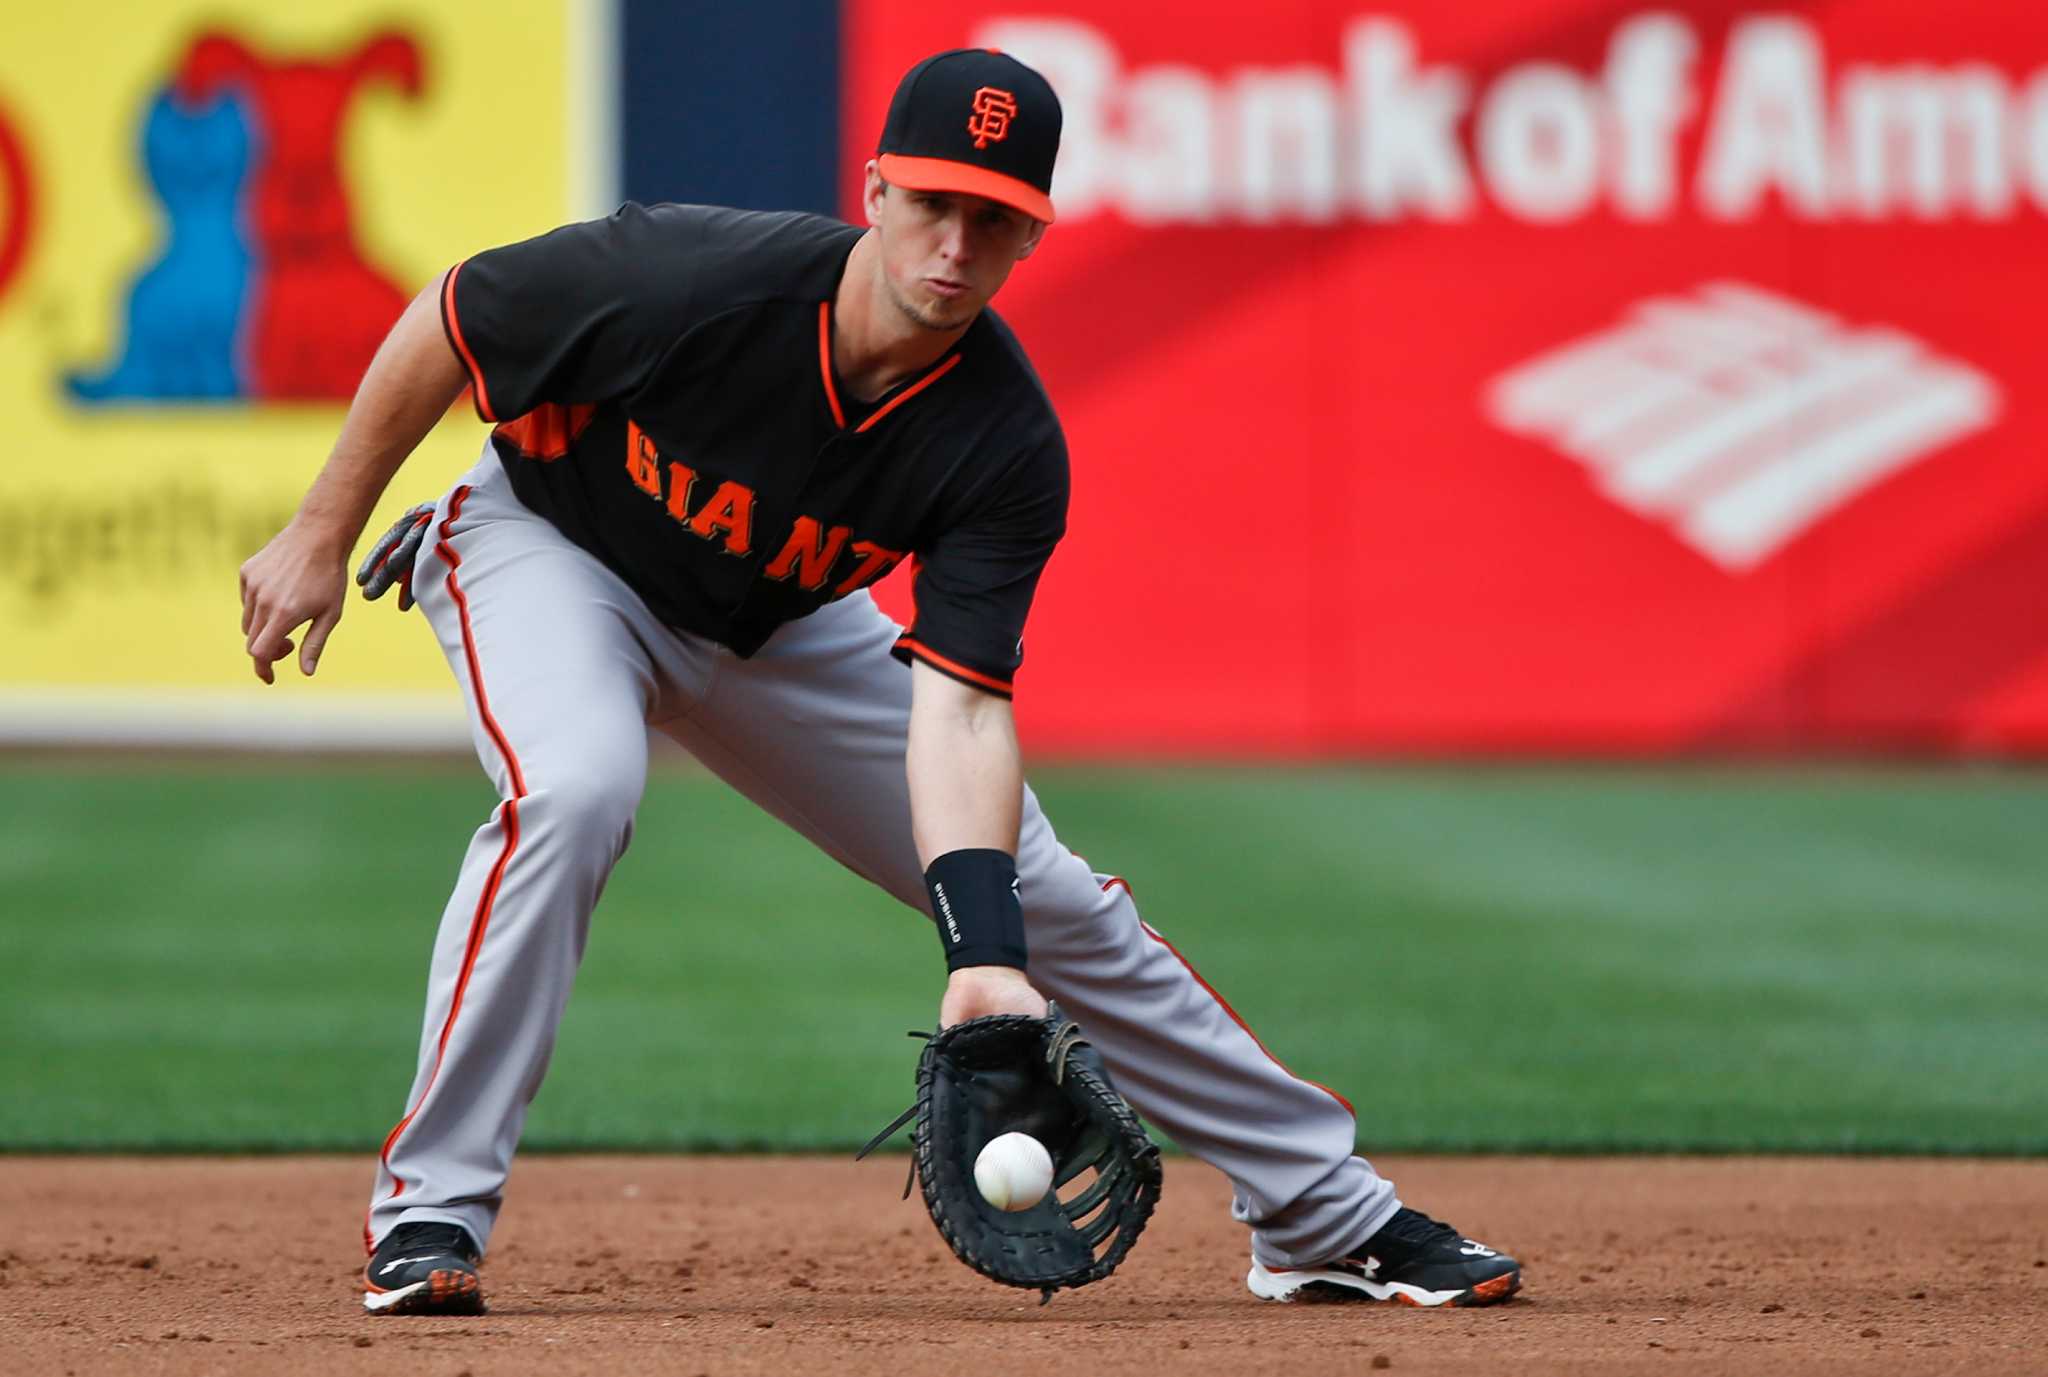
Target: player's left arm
[967, 796]
[973, 585]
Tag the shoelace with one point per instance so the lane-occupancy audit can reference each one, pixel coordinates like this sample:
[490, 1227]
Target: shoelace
[1414, 1226]
[427, 1234]
[1411, 1229]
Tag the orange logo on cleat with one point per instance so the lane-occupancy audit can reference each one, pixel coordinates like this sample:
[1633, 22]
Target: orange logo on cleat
[993, 111]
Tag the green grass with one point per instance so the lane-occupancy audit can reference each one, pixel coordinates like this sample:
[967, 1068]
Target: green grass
[1516, 959]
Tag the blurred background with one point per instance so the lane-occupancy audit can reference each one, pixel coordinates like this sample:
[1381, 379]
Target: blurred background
[1555, 619]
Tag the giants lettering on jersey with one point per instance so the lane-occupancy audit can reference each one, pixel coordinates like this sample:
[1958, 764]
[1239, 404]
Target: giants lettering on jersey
[724, 514]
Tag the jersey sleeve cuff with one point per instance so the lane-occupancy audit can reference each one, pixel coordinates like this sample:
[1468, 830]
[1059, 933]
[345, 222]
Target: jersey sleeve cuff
[451, 325]
[908, 648]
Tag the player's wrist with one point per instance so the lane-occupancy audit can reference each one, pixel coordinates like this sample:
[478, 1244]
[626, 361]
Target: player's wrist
[979, 991]
[987, 975]
[974, 901]
[323, 536]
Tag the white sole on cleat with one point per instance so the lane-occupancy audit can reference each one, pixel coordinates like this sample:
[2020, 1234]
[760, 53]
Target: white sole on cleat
[447, 1291]
[1287, 1286]
[373, 1301]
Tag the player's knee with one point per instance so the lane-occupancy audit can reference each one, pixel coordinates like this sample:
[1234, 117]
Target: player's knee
[586, 808]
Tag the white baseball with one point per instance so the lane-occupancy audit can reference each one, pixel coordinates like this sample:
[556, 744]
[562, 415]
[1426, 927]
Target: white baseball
[1013, 1172]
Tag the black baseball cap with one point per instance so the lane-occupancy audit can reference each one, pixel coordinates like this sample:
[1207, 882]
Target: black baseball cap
[978, 121]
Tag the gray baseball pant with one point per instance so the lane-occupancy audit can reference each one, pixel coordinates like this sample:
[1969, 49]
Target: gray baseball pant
[564, 670]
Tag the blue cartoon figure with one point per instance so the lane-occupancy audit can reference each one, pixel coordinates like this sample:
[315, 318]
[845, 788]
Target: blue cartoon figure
[185, 308]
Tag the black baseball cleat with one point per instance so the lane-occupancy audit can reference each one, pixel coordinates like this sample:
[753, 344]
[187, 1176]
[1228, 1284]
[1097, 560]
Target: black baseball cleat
[424, 1269]
[1412, 1259]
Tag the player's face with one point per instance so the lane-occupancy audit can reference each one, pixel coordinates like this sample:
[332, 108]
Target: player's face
[945, 253]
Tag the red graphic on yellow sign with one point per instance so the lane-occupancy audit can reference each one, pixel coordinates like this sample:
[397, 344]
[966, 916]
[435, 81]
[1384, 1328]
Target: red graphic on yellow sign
[261, 290]
[17, 202]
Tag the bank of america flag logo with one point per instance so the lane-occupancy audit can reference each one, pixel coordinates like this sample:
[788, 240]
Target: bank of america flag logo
[1738, 417]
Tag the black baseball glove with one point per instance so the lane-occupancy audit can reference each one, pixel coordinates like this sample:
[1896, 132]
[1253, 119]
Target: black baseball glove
[391, 559]
[1014, 1074]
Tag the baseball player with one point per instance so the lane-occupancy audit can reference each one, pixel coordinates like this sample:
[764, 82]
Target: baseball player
[713, 431]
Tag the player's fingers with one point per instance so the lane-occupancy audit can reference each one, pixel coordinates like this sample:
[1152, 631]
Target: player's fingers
[274, 621]
[316, 639]
[271, 643]
[256, 624]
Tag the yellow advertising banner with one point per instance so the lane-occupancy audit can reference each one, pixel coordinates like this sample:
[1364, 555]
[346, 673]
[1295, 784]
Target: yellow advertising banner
[210, 214]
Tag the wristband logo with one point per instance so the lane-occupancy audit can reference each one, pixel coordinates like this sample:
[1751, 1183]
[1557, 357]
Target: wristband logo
[946, 911]
[261, 290]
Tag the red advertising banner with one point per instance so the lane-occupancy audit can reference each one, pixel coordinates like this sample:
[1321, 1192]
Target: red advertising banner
[1533, 376]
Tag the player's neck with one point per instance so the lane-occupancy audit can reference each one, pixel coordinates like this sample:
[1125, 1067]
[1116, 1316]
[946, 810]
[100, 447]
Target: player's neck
[874, 346]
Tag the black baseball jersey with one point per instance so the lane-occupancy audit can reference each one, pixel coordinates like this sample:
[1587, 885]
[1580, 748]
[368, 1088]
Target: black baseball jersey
[663, 389]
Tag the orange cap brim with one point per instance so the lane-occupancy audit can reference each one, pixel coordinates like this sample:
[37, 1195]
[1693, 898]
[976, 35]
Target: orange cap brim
[942, 174]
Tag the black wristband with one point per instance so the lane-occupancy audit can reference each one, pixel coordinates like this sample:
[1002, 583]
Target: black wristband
[974, 903]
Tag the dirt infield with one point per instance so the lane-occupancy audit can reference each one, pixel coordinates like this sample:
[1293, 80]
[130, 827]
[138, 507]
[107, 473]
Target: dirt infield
[734, 1266]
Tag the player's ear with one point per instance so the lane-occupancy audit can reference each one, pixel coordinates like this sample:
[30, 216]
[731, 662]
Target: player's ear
[873, 192]
[1038, 229]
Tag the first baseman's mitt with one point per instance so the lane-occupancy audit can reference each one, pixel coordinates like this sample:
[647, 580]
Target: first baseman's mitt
[1013, 1073]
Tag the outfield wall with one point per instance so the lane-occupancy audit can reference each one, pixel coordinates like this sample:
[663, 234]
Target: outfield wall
[1524, 377]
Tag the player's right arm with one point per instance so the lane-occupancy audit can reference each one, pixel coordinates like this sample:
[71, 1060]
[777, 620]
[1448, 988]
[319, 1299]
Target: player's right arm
[301, 576]
[578, 315]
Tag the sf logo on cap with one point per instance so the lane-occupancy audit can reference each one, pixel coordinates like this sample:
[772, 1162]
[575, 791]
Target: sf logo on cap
[993, 111]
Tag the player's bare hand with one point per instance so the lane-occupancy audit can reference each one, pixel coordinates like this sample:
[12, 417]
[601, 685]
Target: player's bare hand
[301, 576]
[977, 991]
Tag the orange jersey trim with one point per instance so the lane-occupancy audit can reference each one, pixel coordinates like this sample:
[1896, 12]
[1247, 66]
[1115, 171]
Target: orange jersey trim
[469, 364]
[942, 174]
[832, 392]
[911, 391]
[952, 668]
[825, 362]
[546, 432]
